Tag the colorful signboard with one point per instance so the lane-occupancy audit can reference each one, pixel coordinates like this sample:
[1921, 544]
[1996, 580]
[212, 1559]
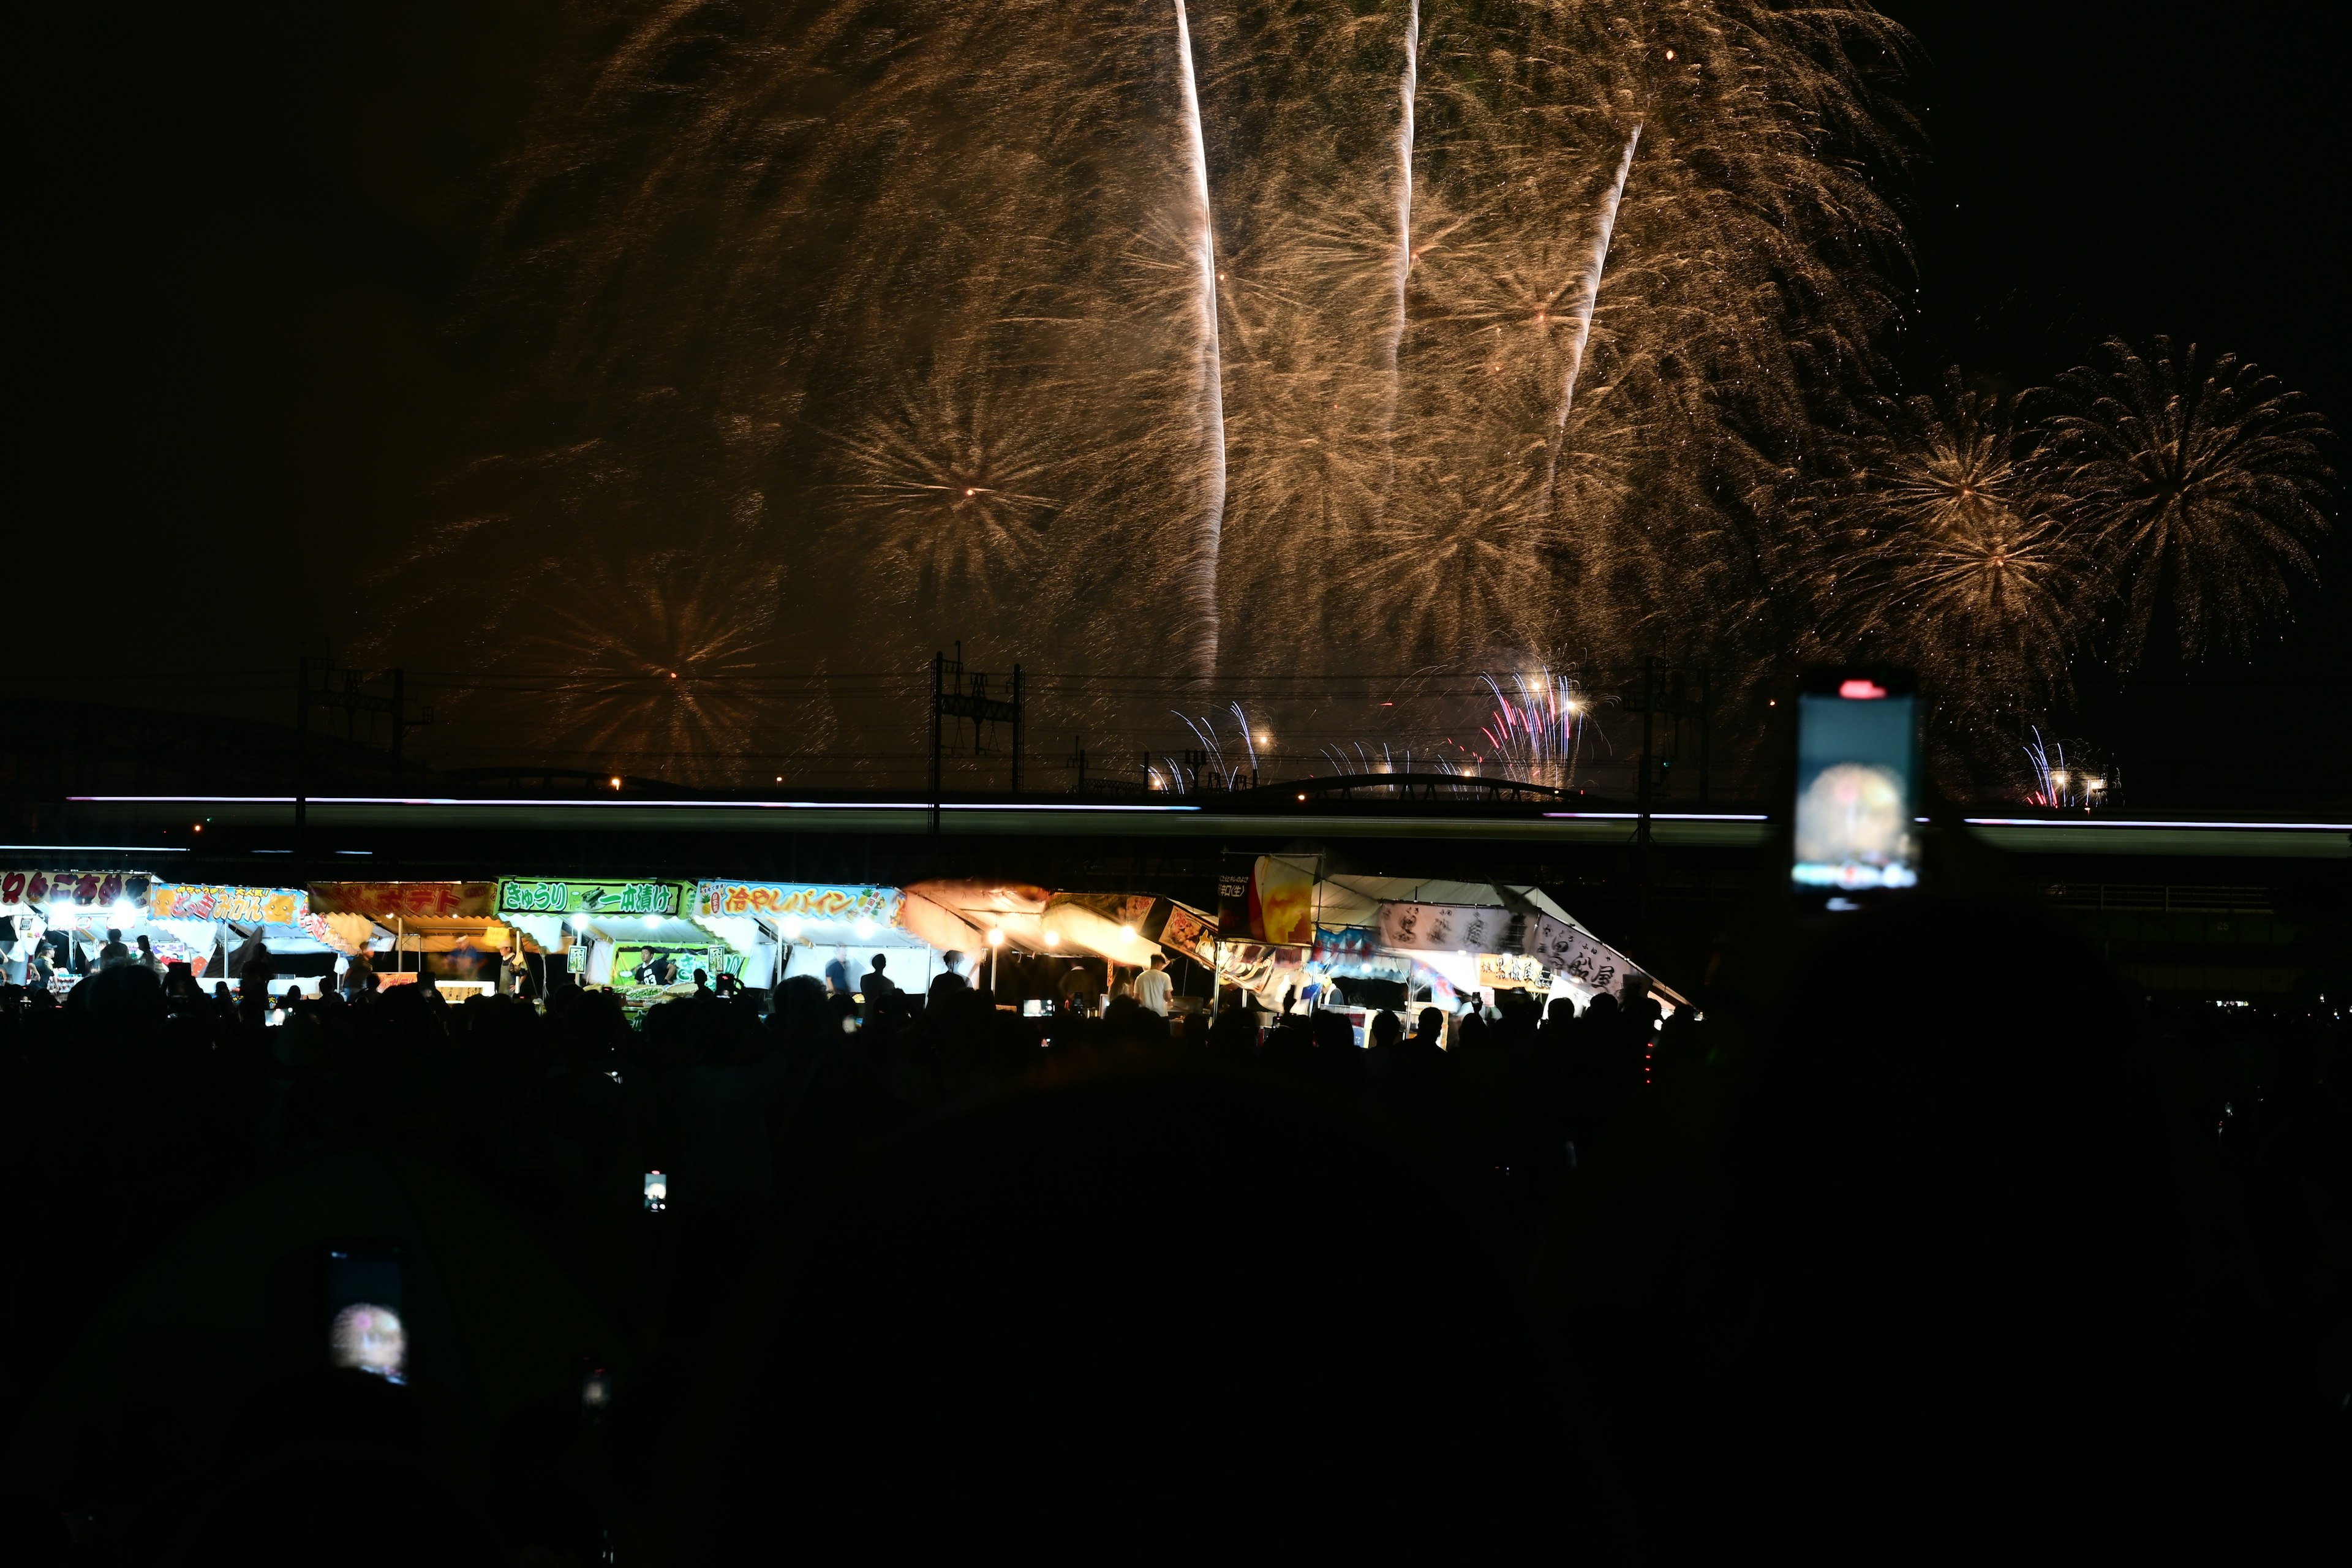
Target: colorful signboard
[406, 900]
[246, 906]
[87, 887]
[1356, 950]
[1182, 930]
[577, 896]
[798, 901]
[1268, 897]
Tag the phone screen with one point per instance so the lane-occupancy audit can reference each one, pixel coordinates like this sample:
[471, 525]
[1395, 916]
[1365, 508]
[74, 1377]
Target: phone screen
[657, 1190]
[1857, 756]
[364, 1300]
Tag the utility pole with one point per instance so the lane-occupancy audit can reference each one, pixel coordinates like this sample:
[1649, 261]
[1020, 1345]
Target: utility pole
[955, 694]
[1642, 794]
[302, 755]
[353, 701]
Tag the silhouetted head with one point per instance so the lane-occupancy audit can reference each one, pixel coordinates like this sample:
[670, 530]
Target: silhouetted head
[1388, 1031]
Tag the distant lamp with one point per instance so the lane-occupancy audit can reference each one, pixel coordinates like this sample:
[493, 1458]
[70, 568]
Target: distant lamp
[617, 783]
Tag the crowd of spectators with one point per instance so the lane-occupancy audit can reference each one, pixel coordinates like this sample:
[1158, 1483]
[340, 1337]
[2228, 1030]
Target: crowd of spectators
[1598, 1270]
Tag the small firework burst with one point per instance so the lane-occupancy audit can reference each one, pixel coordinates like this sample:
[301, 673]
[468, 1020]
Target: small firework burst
[2065, 783]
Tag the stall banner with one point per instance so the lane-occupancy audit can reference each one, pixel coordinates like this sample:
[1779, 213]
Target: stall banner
[1461, 928]
[1579, 954]
[1356, 950]
[81, 886]
[1182, 930]
[406, 900]
[801, 901]
[1266, 897]
[568, 896]
[1505, 971]
[246, 906]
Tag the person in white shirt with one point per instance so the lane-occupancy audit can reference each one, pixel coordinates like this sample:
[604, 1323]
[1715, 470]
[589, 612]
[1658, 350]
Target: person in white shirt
[1152, 986]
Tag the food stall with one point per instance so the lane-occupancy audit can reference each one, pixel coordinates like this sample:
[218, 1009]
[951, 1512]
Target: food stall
[779, 930]
[632, 934]
[71, 912]
[229, 924]
[442, 934]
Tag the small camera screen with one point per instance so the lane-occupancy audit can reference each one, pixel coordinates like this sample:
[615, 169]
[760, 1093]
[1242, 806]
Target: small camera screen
[1853, 828]
[657, 1190]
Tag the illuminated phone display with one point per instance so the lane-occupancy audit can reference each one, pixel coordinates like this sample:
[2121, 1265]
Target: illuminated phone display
[1856, 758]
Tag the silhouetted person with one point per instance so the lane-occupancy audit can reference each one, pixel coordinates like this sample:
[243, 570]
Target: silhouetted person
[1153, 988]
[1078, 990]
[113, 954]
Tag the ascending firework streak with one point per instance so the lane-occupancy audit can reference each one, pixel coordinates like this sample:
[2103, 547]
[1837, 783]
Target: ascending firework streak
[1212, 367]
[1602, 237]
[1405, 93]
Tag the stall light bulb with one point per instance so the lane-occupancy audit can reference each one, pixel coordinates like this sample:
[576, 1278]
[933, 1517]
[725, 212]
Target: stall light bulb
[1127, 931]
[865, 930]
[1053, 938]
[125, 912]
[996, 939]
[652, 921]
[791, 926]
[580, 922]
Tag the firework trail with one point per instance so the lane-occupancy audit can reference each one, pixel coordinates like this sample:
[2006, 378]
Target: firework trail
[1590, 297]
[1202, 595]
[1407, 89]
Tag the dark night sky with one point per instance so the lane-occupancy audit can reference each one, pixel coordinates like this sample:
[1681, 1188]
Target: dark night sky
[249, 232]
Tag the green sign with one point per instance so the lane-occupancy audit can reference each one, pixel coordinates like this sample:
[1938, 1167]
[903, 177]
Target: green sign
[550, 896]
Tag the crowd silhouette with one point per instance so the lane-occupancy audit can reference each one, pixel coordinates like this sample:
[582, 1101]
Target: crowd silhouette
[1878, 1253]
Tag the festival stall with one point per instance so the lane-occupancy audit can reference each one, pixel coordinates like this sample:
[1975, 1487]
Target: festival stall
[69, 913]
[1293, 937]
[231, 925]
[631, 934]
[444, 934]
[779, 930]
[1484, 937]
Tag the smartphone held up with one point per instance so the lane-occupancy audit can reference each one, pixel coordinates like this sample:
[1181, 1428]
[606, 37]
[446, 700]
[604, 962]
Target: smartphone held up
[1856, 786]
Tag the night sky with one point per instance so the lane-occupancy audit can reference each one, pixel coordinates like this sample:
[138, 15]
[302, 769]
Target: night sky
[251, 354]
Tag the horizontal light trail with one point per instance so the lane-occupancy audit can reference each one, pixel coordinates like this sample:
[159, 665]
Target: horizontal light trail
[2155, 822]
[598, 800]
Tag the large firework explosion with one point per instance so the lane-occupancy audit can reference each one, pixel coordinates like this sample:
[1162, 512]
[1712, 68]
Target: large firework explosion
[1214, 339]
[1219, 337]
